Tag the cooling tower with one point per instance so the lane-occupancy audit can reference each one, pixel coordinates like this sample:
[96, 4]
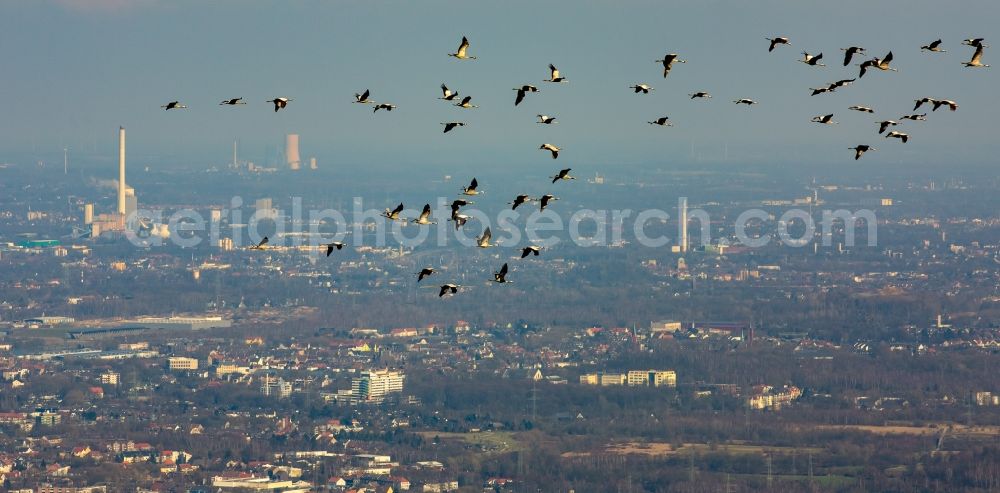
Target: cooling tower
[292, 152]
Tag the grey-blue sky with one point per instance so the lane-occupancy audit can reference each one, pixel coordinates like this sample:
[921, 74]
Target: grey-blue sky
[74, 70]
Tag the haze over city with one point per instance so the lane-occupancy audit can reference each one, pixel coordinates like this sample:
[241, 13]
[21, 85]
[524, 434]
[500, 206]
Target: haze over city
[499, 247]
[75, 69]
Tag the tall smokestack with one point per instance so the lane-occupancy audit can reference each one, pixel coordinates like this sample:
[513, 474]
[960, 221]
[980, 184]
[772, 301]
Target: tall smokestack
[684, 224]
[121, 170]
[292, 152]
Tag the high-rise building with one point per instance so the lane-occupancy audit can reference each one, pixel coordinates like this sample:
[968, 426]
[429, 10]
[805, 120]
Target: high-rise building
[265, 209]
[110, 378]
[88, 213]
[374, 385]
[271, 385]
[312, 163]
[292, 152]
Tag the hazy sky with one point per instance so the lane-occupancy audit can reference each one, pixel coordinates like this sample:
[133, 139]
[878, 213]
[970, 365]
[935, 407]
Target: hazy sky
[74, 70]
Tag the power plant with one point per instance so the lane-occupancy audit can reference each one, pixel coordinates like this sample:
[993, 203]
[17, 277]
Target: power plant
[127, 201]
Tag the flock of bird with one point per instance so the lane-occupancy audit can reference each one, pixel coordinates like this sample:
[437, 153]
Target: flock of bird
[555, 76]
[882, 64]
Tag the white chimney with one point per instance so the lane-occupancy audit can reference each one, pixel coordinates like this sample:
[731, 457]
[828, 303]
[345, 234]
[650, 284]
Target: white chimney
[121, 170]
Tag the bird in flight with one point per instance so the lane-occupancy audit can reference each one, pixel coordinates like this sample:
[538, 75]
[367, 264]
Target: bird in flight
[779, 40]
[451, 125]
[813, 60]
[460, 219]
[463, 49]
[173, 105]
[384, 106]
[260, 245]
[363, 97]
[551, 148]
[861, 108]
[977, 58]
[879, 63]
[921, 101]
[824, 119]
[850, 52]
[472, 189]
[884, 124]
[521, 91]
[448, 289]
[563, 175]
[861, 149]
[544, 201]
[500, 276]
[424, 218]
[339, 245]
[520, 199]
[975, 42]
[898, 135]
[426, 271]
[232, 102]
[447, 94]
[643, 88]
[748, 102]
[484, 240]
[883, 63]
[934, 46]
[529, 250]
[841, 83]
[662, 121]
[668, 62]
[942, 102]
[915, 117]
[279, 103]
[554, 75]
[546, 119]
[466, 103]
[393, 215]
[700, 94]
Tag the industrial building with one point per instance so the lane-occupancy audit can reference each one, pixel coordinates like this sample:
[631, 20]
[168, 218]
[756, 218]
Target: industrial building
[188, 323]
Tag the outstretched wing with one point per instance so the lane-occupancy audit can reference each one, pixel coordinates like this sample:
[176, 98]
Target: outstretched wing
[978, 55]
[554, 71]
[463, 47]
[398, 209]
[519, 98]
